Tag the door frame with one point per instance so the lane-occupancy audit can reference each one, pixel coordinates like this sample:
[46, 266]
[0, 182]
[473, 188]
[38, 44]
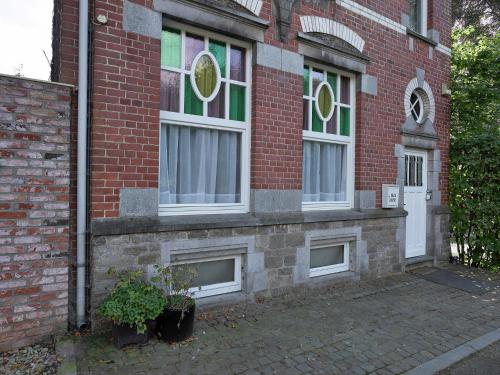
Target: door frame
[424, 187]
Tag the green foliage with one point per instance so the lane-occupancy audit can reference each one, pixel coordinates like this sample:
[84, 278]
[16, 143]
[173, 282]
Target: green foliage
[177, 279]
[475, 148]
[133, 302]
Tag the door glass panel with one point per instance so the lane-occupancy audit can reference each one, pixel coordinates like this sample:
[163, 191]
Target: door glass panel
[327, 256]
[419, 171]
[411, 176]
[406, 169]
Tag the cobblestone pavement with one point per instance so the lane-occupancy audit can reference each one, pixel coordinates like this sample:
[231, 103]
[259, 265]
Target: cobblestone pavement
[382, 327]
[484, 362]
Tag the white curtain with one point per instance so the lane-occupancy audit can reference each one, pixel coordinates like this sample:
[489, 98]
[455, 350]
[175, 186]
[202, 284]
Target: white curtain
[199, 165]
[324, 176]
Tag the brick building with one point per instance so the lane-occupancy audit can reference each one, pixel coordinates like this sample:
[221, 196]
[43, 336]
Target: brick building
[272, 143]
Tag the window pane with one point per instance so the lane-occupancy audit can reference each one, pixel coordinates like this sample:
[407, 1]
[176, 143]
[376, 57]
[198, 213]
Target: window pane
[216, 108]
[192, 104]
[324, 176]
[327, 256]
[411, 176]
[306, 80]
[317, 78]
[332, 80]
[317, 123]
[324, 100]
[237, 103]
[169, 91]
[331, 125]
[199, 165]
[213, 272]
[171, 48]
[194, 45]
[205, 73]
[305, 115]
[345, 121]
[415, 15]
[237, 64]
[345, 90]
[218, 49]
[406, 170]
[419, 171]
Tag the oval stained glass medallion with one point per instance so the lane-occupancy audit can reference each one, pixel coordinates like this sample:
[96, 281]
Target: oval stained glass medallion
[324, 101]
[205, 76]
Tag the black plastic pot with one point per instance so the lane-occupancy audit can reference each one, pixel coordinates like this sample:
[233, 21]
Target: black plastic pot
[174, 325]
[123, 335]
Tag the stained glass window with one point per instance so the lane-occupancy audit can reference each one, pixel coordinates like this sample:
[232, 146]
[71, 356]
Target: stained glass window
[205, 124]
[327, 132]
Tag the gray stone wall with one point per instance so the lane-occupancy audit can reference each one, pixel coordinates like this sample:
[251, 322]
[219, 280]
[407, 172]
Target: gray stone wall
[273, 255]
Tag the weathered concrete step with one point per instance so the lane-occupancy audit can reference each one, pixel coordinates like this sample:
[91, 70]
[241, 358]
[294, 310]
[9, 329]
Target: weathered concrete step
[418, 262]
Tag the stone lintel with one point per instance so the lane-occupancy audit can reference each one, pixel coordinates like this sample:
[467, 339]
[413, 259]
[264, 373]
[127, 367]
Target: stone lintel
[141, 20]
[224, 20]
[138, 202]
[277, 58]
[367, 84]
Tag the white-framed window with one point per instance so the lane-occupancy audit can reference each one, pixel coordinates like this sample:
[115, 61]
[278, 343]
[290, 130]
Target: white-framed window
[205, 121]
[327, 259]
[328, 138]
[418, 16]
[214, 276]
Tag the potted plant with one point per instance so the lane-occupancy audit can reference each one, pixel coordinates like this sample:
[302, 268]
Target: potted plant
[133, 305]
[176, 321]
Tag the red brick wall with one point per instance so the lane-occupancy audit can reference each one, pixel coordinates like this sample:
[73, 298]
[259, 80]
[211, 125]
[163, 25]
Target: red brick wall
[34, 209]
[125, 113]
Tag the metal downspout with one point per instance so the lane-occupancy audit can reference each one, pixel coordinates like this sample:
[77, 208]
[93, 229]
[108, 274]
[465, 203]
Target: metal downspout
[81, 220]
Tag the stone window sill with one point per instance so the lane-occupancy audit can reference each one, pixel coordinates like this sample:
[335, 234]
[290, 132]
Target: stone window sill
[421, 37]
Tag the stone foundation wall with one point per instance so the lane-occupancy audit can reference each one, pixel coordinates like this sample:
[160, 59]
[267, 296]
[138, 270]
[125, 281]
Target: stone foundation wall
[276, 258]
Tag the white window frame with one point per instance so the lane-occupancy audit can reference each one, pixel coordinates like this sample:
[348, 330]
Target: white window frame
[420, 117]
[334, 268]
[309, 135]
[242, 127]
[423, 17]
[216, 289]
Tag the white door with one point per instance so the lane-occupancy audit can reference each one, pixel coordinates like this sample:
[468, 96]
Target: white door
[415, 202]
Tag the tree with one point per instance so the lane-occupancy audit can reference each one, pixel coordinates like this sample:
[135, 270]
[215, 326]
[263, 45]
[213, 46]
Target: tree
[475, 147]
[482, 15]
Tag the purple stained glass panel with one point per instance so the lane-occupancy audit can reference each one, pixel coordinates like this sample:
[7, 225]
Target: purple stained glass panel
[345, 91]
[194, 45]
[317, 78]
[169, 91]
[216, 108]
[331, 125]
[237, 64]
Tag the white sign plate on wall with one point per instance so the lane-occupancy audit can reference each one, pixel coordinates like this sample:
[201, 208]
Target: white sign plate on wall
[390, 196]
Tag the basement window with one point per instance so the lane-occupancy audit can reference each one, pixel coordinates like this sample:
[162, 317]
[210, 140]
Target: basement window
[214, 276]
[328, 259]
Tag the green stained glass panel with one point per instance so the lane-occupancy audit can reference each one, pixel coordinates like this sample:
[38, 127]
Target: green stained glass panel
[306, 80]
[192, 104]
[218, 49]
[237, 103]
[332, 80]
[171, 48]
[345, 121]
[317, 123]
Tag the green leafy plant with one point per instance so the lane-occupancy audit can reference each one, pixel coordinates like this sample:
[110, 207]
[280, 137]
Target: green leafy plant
[133, 301]
[475, 148]
[177, 281]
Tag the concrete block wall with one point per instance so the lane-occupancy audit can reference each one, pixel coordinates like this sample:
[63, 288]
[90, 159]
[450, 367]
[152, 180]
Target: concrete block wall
[34, 209]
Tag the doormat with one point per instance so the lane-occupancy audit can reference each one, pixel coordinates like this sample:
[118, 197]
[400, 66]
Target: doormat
[454, 280]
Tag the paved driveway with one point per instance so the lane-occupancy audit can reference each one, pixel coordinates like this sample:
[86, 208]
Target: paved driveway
[384, 327]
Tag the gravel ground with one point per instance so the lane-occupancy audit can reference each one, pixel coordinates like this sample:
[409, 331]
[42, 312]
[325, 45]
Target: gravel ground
[38, 359]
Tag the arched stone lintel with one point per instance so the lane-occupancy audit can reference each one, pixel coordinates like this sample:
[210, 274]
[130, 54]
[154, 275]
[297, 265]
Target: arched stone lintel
[314, 24]
[254, 6]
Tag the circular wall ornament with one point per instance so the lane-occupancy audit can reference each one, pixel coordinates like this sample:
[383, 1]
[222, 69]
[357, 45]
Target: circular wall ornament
[324, 101]
[205, 76]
